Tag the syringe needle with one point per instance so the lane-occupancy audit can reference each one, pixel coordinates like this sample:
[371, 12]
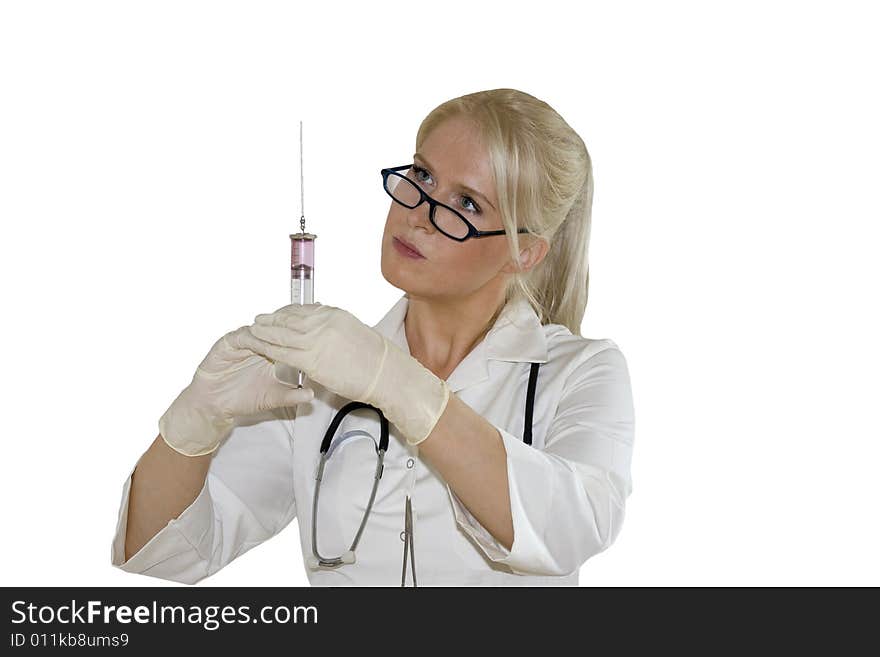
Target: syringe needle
[302, 189]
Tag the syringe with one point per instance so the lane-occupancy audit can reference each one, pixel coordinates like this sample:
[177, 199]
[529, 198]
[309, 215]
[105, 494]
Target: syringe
[302, 275]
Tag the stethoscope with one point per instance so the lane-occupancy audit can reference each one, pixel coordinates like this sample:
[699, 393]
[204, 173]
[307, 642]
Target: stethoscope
[347, 557]
[326, 451]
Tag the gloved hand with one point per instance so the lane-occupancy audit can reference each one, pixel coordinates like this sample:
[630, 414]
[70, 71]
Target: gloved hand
[343, 354]
[231, 381]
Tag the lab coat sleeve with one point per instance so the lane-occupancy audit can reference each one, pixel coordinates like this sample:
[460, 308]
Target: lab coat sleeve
[567, 500]
[247, 498]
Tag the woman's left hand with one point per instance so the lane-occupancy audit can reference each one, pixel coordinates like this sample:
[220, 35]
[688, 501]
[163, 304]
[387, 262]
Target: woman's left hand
[332, 346]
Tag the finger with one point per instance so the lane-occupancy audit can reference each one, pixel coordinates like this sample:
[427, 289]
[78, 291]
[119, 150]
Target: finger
[300, 396]
[292, 357]
[298, 308]
[239, 340]
[280, 336]
[277, 318]
[242, 339]
[290, 308]
[301, 322]
[283, 395]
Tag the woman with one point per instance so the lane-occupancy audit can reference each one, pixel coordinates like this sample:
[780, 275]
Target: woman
[509, 435]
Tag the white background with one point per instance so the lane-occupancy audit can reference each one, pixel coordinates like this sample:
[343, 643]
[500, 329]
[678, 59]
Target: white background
[149, 178]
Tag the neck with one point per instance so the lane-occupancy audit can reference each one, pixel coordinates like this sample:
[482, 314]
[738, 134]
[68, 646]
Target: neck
[441, 333]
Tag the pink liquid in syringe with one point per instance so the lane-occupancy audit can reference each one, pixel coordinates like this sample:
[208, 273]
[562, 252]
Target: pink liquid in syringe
[302, 269]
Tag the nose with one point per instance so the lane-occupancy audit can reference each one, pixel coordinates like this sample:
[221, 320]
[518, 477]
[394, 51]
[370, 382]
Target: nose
[420, 216]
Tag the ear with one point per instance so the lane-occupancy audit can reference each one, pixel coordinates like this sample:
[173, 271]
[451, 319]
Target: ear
[529, 256]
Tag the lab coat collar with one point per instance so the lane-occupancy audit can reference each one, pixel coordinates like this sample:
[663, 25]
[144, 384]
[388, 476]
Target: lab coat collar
[516, 336]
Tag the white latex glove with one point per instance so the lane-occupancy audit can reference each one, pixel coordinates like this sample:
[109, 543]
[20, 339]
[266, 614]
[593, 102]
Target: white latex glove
[231, 381]
[336, 349]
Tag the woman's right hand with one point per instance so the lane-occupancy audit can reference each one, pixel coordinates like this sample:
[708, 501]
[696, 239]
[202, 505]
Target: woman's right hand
[231, 381]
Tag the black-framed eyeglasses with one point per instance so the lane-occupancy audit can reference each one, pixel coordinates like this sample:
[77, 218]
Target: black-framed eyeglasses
[451, 223]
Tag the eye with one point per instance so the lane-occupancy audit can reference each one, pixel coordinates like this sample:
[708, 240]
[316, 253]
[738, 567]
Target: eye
[468, 199]
[417, 170]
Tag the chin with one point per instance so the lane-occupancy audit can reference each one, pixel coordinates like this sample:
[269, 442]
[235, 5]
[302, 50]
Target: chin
[393, 275]
[402, 281]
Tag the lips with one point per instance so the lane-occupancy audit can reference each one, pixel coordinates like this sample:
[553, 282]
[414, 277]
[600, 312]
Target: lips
[411, 247]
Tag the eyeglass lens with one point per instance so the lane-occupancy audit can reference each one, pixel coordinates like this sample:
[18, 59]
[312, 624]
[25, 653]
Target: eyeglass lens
[405, 191]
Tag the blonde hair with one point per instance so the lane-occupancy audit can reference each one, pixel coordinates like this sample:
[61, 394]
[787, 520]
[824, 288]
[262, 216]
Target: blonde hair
[544, 182]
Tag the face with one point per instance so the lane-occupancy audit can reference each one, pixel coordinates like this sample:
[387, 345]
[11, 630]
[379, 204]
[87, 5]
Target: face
[451, 158]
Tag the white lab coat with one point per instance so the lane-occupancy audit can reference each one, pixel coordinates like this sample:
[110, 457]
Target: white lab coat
[567, 490]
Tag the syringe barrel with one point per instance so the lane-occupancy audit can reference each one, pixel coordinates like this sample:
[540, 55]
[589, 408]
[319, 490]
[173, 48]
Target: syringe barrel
[302, 268]
[302, 291]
